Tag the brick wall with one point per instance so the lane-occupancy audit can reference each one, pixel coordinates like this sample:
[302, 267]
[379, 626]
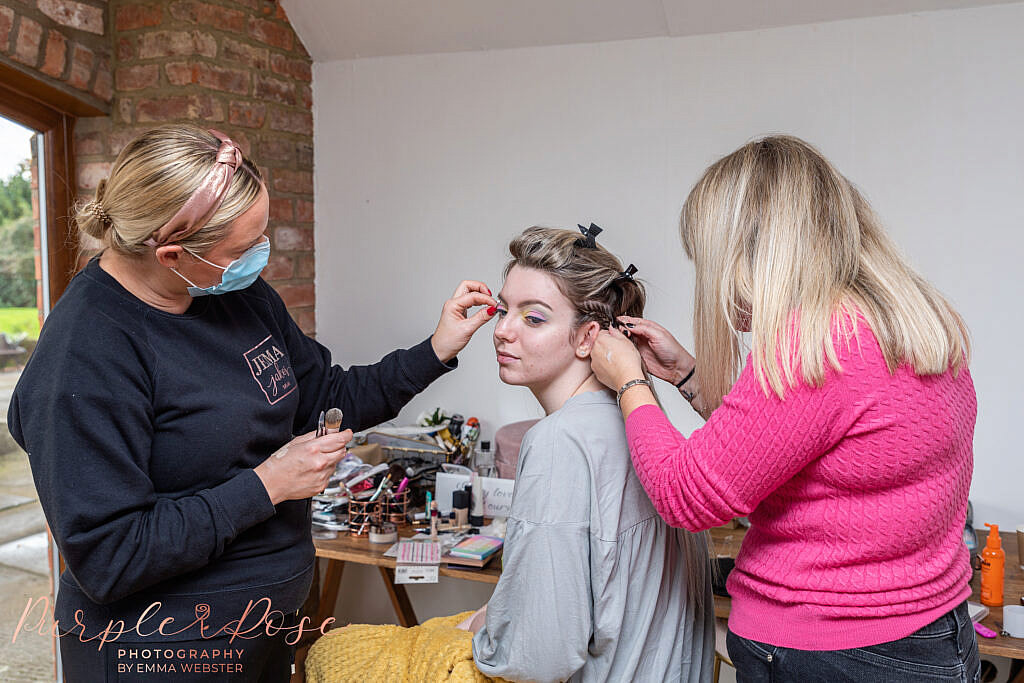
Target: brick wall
[233, 65]
[63, 42]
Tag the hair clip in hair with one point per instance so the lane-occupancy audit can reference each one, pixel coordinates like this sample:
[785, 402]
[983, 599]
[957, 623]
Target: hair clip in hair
[99, 213]
[589, 234]
[628, 273]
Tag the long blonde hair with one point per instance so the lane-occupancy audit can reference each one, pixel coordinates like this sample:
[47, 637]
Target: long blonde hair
[151, 179]
[781, 239]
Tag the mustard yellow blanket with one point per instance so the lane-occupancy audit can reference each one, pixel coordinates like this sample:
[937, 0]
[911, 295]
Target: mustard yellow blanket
[434, 651]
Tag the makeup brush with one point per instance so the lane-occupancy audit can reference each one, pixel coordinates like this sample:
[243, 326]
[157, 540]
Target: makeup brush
[333, 421]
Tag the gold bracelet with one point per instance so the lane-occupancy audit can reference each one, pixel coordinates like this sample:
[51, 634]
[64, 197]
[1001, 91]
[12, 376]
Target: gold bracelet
[627, 385]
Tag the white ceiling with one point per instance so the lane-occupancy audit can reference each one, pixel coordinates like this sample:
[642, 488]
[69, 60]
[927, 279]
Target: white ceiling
[349, 29]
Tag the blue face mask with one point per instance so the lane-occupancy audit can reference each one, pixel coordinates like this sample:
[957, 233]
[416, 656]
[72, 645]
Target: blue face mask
[239, 274]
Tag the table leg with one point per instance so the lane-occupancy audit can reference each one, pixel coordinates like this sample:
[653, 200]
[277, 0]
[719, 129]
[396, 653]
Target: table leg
[329, 593]
[399, 598]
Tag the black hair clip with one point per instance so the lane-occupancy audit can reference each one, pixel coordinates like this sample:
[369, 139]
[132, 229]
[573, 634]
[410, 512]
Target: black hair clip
[628, 273]
[590, 234]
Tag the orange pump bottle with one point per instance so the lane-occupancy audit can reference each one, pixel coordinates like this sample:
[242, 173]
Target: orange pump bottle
[993, 562]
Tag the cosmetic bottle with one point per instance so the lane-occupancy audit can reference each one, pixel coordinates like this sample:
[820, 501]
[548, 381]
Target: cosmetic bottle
[993, 562]
[476, 515]
[460, 505]
[483, 459]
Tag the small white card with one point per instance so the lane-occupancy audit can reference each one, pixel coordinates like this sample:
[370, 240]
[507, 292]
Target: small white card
[497, 493]
[416, 573]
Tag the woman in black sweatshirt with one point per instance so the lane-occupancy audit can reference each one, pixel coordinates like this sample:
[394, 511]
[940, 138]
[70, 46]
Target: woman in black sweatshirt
[159, 421]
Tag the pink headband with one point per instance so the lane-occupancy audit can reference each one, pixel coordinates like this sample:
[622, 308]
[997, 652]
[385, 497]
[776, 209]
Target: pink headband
[207, 198]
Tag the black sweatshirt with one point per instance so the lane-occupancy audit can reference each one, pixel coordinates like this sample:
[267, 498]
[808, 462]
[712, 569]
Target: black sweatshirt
[143, 428]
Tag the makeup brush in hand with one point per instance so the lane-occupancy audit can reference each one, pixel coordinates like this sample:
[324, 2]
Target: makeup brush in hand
[333, 420]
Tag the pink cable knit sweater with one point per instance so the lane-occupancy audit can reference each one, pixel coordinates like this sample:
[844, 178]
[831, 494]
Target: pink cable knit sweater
[856, 493]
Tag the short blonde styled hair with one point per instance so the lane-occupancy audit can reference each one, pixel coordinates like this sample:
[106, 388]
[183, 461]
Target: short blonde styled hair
[591, 278]
[780, 238]
[153, 177]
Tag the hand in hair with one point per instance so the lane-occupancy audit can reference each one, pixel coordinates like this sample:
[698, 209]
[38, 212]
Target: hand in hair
[664, 356]
[615, 360]
[455, 328]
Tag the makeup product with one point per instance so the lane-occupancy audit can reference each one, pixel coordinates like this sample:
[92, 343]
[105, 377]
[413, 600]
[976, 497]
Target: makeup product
[993, 561]
[983, 631]
[373, 471]
[435, 518]
[401, 486]
[385, 533]
[1020, 548]
[332, 421]
[383, 482]
[476, 515]
[321, 427]
[460, 505]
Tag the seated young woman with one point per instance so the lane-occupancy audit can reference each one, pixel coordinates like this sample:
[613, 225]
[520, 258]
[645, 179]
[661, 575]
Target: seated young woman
[595, 586]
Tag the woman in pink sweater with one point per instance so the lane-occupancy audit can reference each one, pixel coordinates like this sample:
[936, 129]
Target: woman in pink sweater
[845, 435]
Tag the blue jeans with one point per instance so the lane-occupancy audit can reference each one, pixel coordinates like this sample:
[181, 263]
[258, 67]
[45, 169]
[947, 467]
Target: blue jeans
[944, 650]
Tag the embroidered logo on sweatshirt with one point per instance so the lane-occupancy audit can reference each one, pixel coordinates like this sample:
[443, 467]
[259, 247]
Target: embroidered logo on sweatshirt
[271, 370]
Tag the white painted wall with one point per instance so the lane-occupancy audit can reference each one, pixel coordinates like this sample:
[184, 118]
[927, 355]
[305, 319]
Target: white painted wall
[427, 165]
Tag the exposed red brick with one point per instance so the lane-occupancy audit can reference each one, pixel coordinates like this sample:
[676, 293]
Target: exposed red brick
[271, 33]
[90, 174]
[189, 107]
[305, 96]
[246, 114]
[121, 137]
[303, 211]
[297, 295]
[137, 77]
[299, 69]
[81, 67]
[177, 44]
[6, 22]
[277, 149]
[125, 107]
[279, 14]
[103, 85]
[289, 238]
[91, 143]
[274, 90]
[76, 15]
[241, 53]
[278, 268]
[281, 210]
[130, 17]
[209, 76]
[304, 154]
[56, 57]
[299, 182]
[30, 36]
[305, 266]
[242, 140]
[125, 48]
[300, 122]
[306, 320]
[212, 16]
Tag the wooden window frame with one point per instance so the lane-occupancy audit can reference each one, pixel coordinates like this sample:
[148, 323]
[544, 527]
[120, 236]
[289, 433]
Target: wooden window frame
[34, 104]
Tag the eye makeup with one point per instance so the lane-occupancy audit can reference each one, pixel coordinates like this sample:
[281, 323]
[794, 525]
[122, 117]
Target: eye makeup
[531, 316]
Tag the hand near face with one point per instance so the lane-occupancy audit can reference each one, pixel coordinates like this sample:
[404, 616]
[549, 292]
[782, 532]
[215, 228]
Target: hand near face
[455, 329]
[615, 360]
